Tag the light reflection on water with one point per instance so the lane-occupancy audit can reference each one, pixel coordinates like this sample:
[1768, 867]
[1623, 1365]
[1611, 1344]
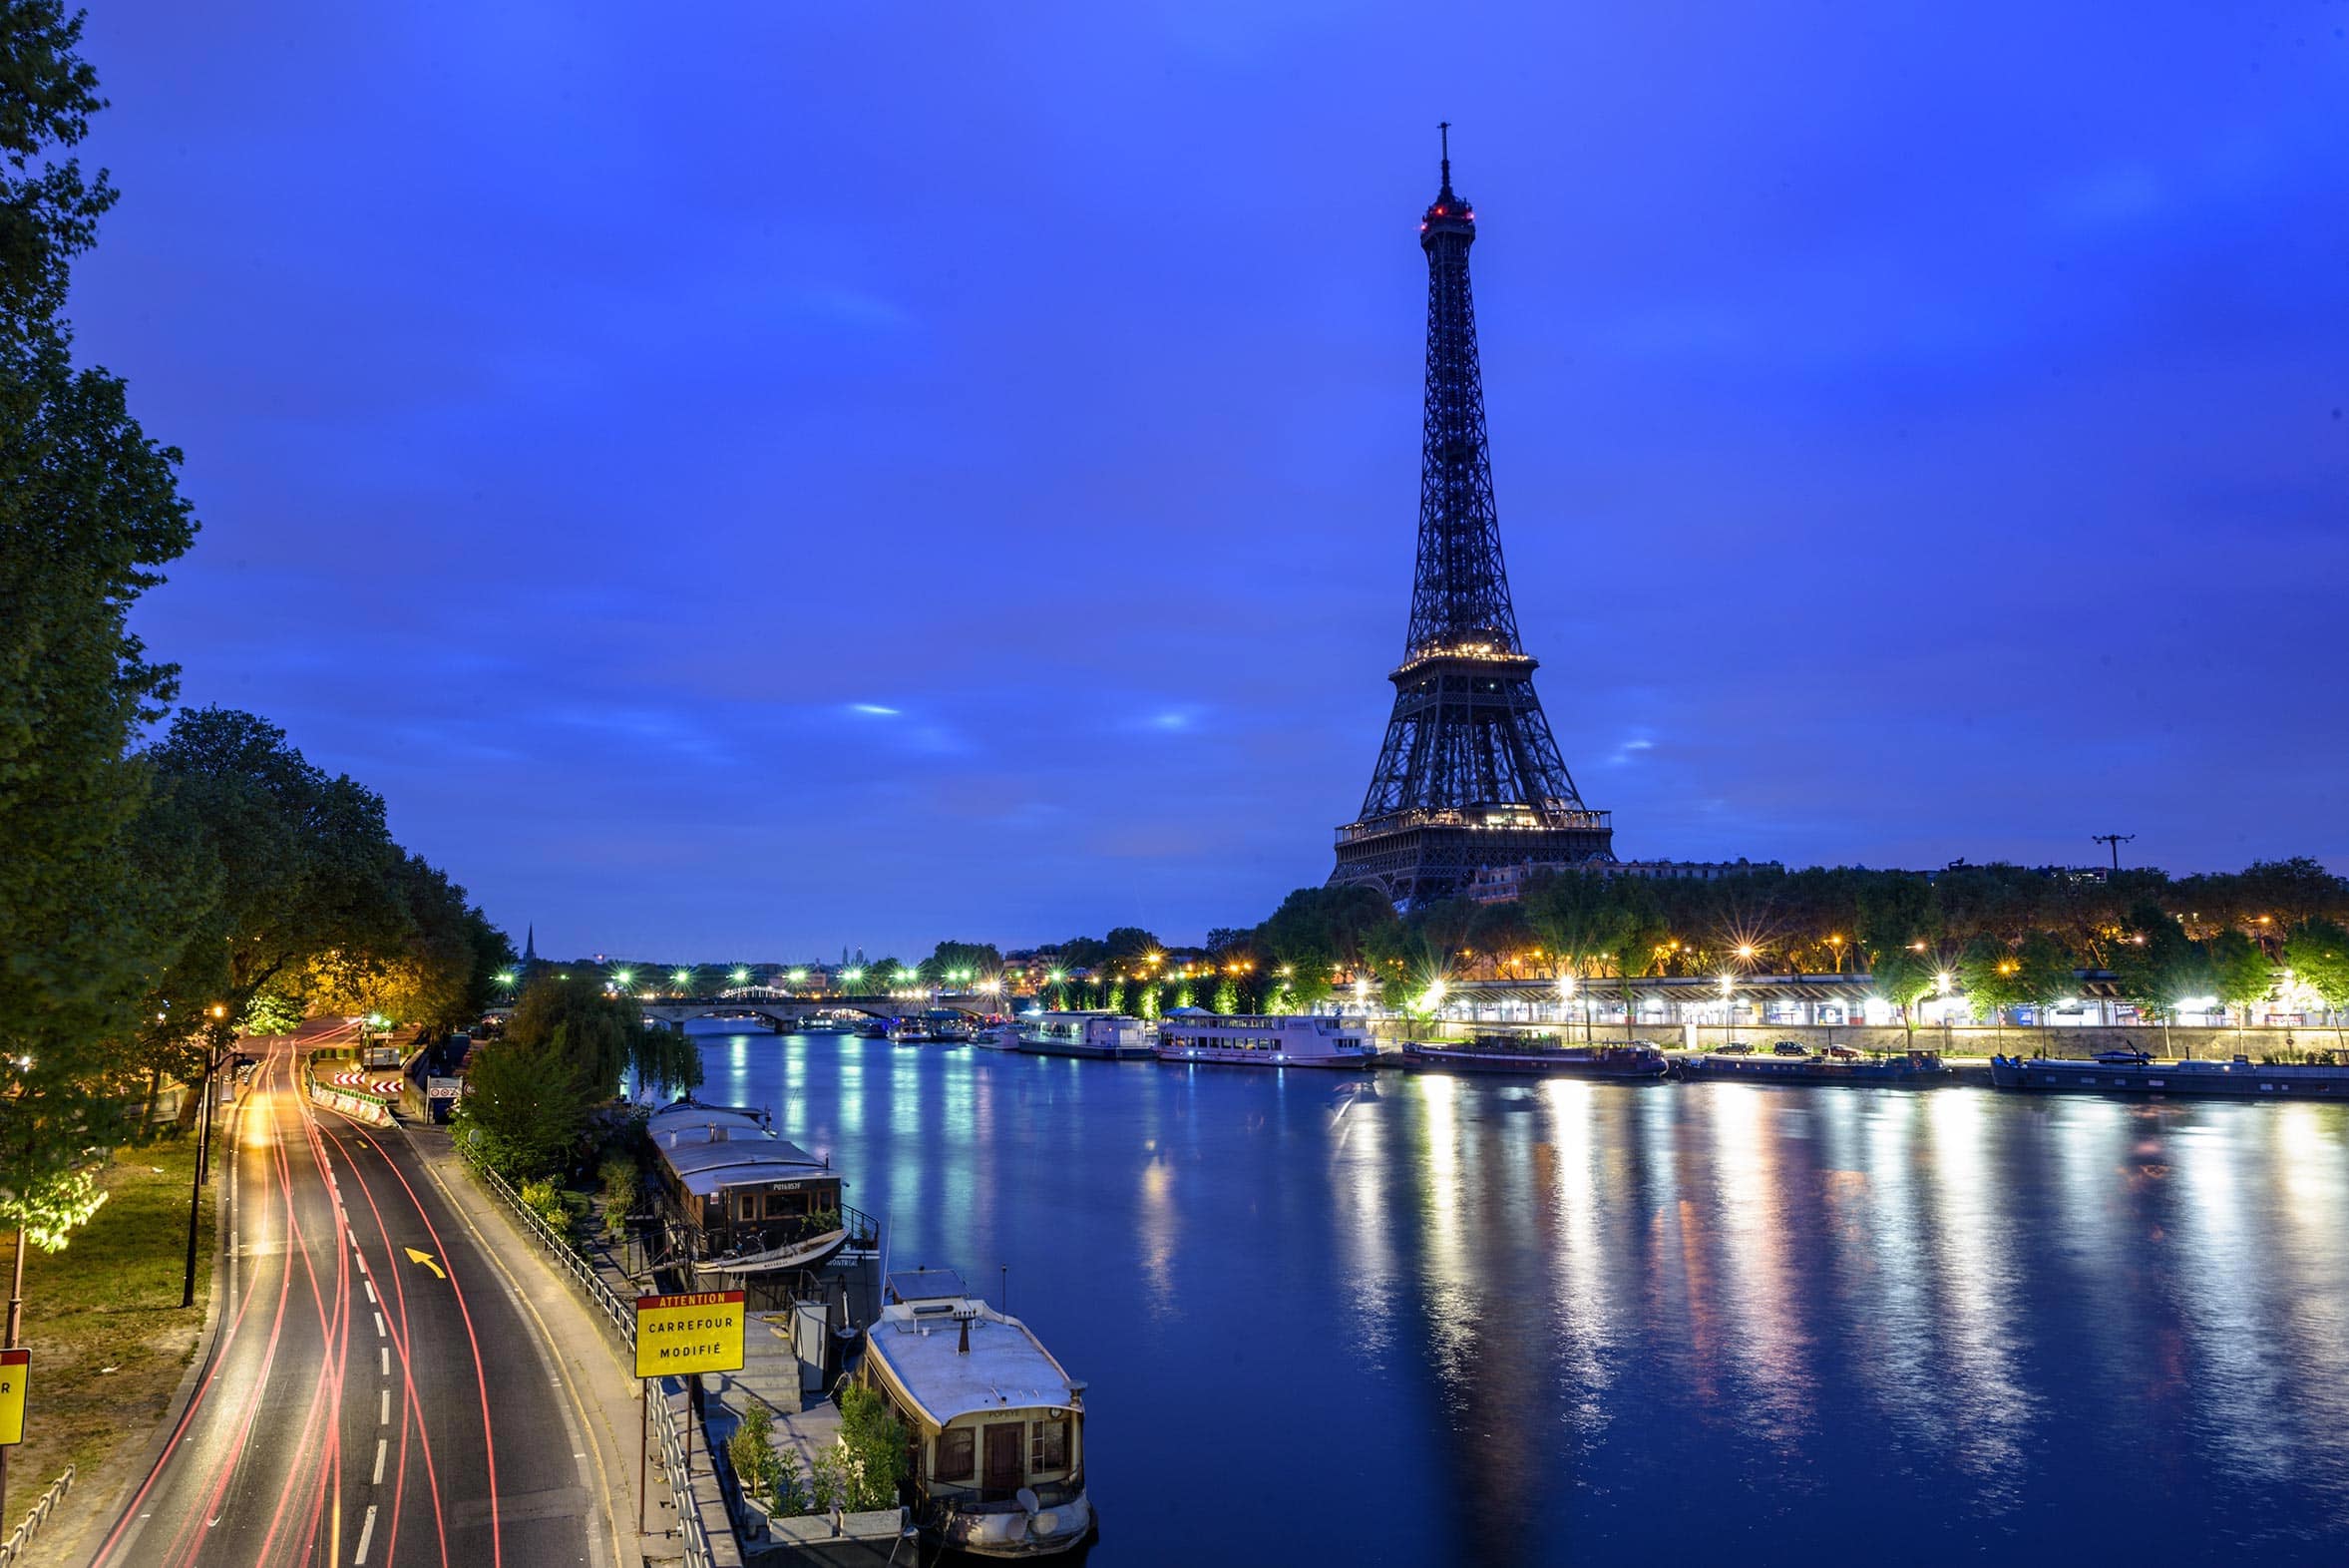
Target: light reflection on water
[1424, 1320]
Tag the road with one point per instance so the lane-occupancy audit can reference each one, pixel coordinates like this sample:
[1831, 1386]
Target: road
[374, 1394]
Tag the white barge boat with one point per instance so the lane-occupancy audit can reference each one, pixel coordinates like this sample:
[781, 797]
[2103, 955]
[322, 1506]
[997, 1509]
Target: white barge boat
[997, 1426]
[1266, 1041]
[1107, 1036]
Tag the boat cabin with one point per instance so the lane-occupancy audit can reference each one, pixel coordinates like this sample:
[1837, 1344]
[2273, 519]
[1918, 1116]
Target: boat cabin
[997, 1425]
[735, 1190]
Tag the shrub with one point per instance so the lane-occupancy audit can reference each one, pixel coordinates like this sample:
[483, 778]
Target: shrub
[874, 1443]
[621, 1191]
[543, 1200]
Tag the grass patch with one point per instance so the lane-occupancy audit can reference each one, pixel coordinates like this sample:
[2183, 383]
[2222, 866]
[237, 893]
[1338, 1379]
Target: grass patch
[109, 1337]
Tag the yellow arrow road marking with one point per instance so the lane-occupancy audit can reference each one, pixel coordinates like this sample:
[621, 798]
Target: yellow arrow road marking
[424, 1258]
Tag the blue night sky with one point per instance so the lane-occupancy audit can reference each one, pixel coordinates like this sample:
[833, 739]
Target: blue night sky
[747, 479]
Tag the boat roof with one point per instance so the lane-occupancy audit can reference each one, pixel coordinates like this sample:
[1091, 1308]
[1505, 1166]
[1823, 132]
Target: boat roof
[926, 1284]
[712, 1147]
[1006, 1368]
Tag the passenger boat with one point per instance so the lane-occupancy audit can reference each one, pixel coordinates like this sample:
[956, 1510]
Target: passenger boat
[736, 1200]
[1640, 1060]
[2132, 1072]
[1109, 1036]
[909, 1032]
[997, 1426]
[996, 1036]
[950, 1031]
[873, 1029]
[1914, 1069]
[1266, 1041]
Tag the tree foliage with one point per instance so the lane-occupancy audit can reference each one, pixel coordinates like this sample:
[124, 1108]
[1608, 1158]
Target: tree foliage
[89, 513]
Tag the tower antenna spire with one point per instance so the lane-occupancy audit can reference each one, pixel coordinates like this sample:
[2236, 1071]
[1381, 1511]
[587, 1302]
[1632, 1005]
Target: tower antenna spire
[1444, 127]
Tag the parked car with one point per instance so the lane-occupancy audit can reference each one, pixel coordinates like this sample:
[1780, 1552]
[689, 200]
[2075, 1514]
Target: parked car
[1738, 1048]
[1842, 1053]
[1790, 1048]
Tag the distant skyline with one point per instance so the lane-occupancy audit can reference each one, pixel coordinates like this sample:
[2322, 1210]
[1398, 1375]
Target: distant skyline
[793, 479]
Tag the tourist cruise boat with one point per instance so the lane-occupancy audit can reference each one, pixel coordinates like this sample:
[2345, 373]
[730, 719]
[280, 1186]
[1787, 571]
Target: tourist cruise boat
[997, 1426]
[1266, 1039]
[1639, 1061]
[738, 1201]
[2133, 1072]
[1110, 1036]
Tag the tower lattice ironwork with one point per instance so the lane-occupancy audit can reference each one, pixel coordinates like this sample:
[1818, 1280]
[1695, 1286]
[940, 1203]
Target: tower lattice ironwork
[1469, 775]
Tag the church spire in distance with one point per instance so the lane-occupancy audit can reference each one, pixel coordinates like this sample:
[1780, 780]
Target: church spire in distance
[1469, 775]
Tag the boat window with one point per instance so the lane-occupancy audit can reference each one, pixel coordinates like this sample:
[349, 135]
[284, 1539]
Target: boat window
[1051, 1447]
[955, 1449]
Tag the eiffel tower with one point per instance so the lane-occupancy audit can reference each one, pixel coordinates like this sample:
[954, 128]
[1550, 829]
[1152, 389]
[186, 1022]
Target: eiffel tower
[1469, 775]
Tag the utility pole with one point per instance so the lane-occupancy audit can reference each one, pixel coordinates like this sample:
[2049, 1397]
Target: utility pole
[2114, 839]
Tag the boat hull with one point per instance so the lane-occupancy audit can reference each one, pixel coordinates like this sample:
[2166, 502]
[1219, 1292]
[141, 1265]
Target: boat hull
[1094, 1052]
[1533, 1064]
[2233, 1080]
[1014, 1532]
[1209, 1056]
[1902, 1073]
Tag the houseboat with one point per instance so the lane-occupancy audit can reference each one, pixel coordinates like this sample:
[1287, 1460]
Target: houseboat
[737, 1201]
[2132, 1072]
[1266, 1041]
[1110, 1036]
[1909, 1069]
[1638, 1061]
[997, 1427]
[909, 1032]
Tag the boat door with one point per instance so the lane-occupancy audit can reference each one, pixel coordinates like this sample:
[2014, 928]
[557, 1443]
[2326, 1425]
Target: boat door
[1003, 1470]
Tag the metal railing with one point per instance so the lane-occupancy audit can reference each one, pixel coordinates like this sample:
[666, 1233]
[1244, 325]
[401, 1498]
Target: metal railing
[621, 1318]
[20, 1537]
[620, 1315]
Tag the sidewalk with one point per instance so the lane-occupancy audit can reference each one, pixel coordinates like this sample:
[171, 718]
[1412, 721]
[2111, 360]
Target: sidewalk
[600, 1384]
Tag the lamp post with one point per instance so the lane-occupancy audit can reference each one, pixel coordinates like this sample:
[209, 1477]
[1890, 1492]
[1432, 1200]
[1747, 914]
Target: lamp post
[212, 1044]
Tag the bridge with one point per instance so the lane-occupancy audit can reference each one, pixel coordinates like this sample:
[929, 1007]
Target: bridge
[779, 1011]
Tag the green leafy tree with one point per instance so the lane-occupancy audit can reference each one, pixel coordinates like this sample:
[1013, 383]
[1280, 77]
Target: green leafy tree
[1227, 997]
[526, 1110]
[2044, 971]
[2154, 964]
[2241, 973]
[1991, 976]
[956, 957]
[2317, 953]
[89, 513]
[1904, 978]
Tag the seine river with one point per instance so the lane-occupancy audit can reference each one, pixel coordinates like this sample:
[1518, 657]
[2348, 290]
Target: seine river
[1422, 1320]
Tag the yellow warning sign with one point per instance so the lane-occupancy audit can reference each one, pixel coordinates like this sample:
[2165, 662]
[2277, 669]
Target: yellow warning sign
[676, 1335]
[16, 1371]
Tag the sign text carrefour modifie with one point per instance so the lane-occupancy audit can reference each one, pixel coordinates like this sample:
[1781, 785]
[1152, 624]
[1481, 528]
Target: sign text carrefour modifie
[698, 1332]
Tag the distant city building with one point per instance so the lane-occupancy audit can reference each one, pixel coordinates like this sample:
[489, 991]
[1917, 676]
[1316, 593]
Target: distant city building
[1469, 774]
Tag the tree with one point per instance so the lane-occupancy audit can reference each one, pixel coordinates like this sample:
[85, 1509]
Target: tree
[2316, 954]
[2154, 964]
[2044, 971]
[1227, 997]
[89, 513]
[1905, 978]
[953, 958]
[1129, 946]
[527, 1110]
[1991, 976]
[2240, 971]
[1578, 919]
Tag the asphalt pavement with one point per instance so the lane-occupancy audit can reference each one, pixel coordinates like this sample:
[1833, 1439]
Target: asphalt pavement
[374, 1394]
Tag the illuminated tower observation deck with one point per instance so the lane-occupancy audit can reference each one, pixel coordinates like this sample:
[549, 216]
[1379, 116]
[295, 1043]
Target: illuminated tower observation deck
[1469, 774]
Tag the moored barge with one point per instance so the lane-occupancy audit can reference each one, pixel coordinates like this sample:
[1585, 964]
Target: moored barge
[737, 1201]
[1105, 1036]
[2120, 1072]
[1265, 1040]
[1911, 1069]
[997, 1427]
[1639, 1062]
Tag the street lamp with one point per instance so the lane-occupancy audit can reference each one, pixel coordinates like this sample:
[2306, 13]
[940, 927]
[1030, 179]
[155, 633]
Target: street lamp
[741, 977]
